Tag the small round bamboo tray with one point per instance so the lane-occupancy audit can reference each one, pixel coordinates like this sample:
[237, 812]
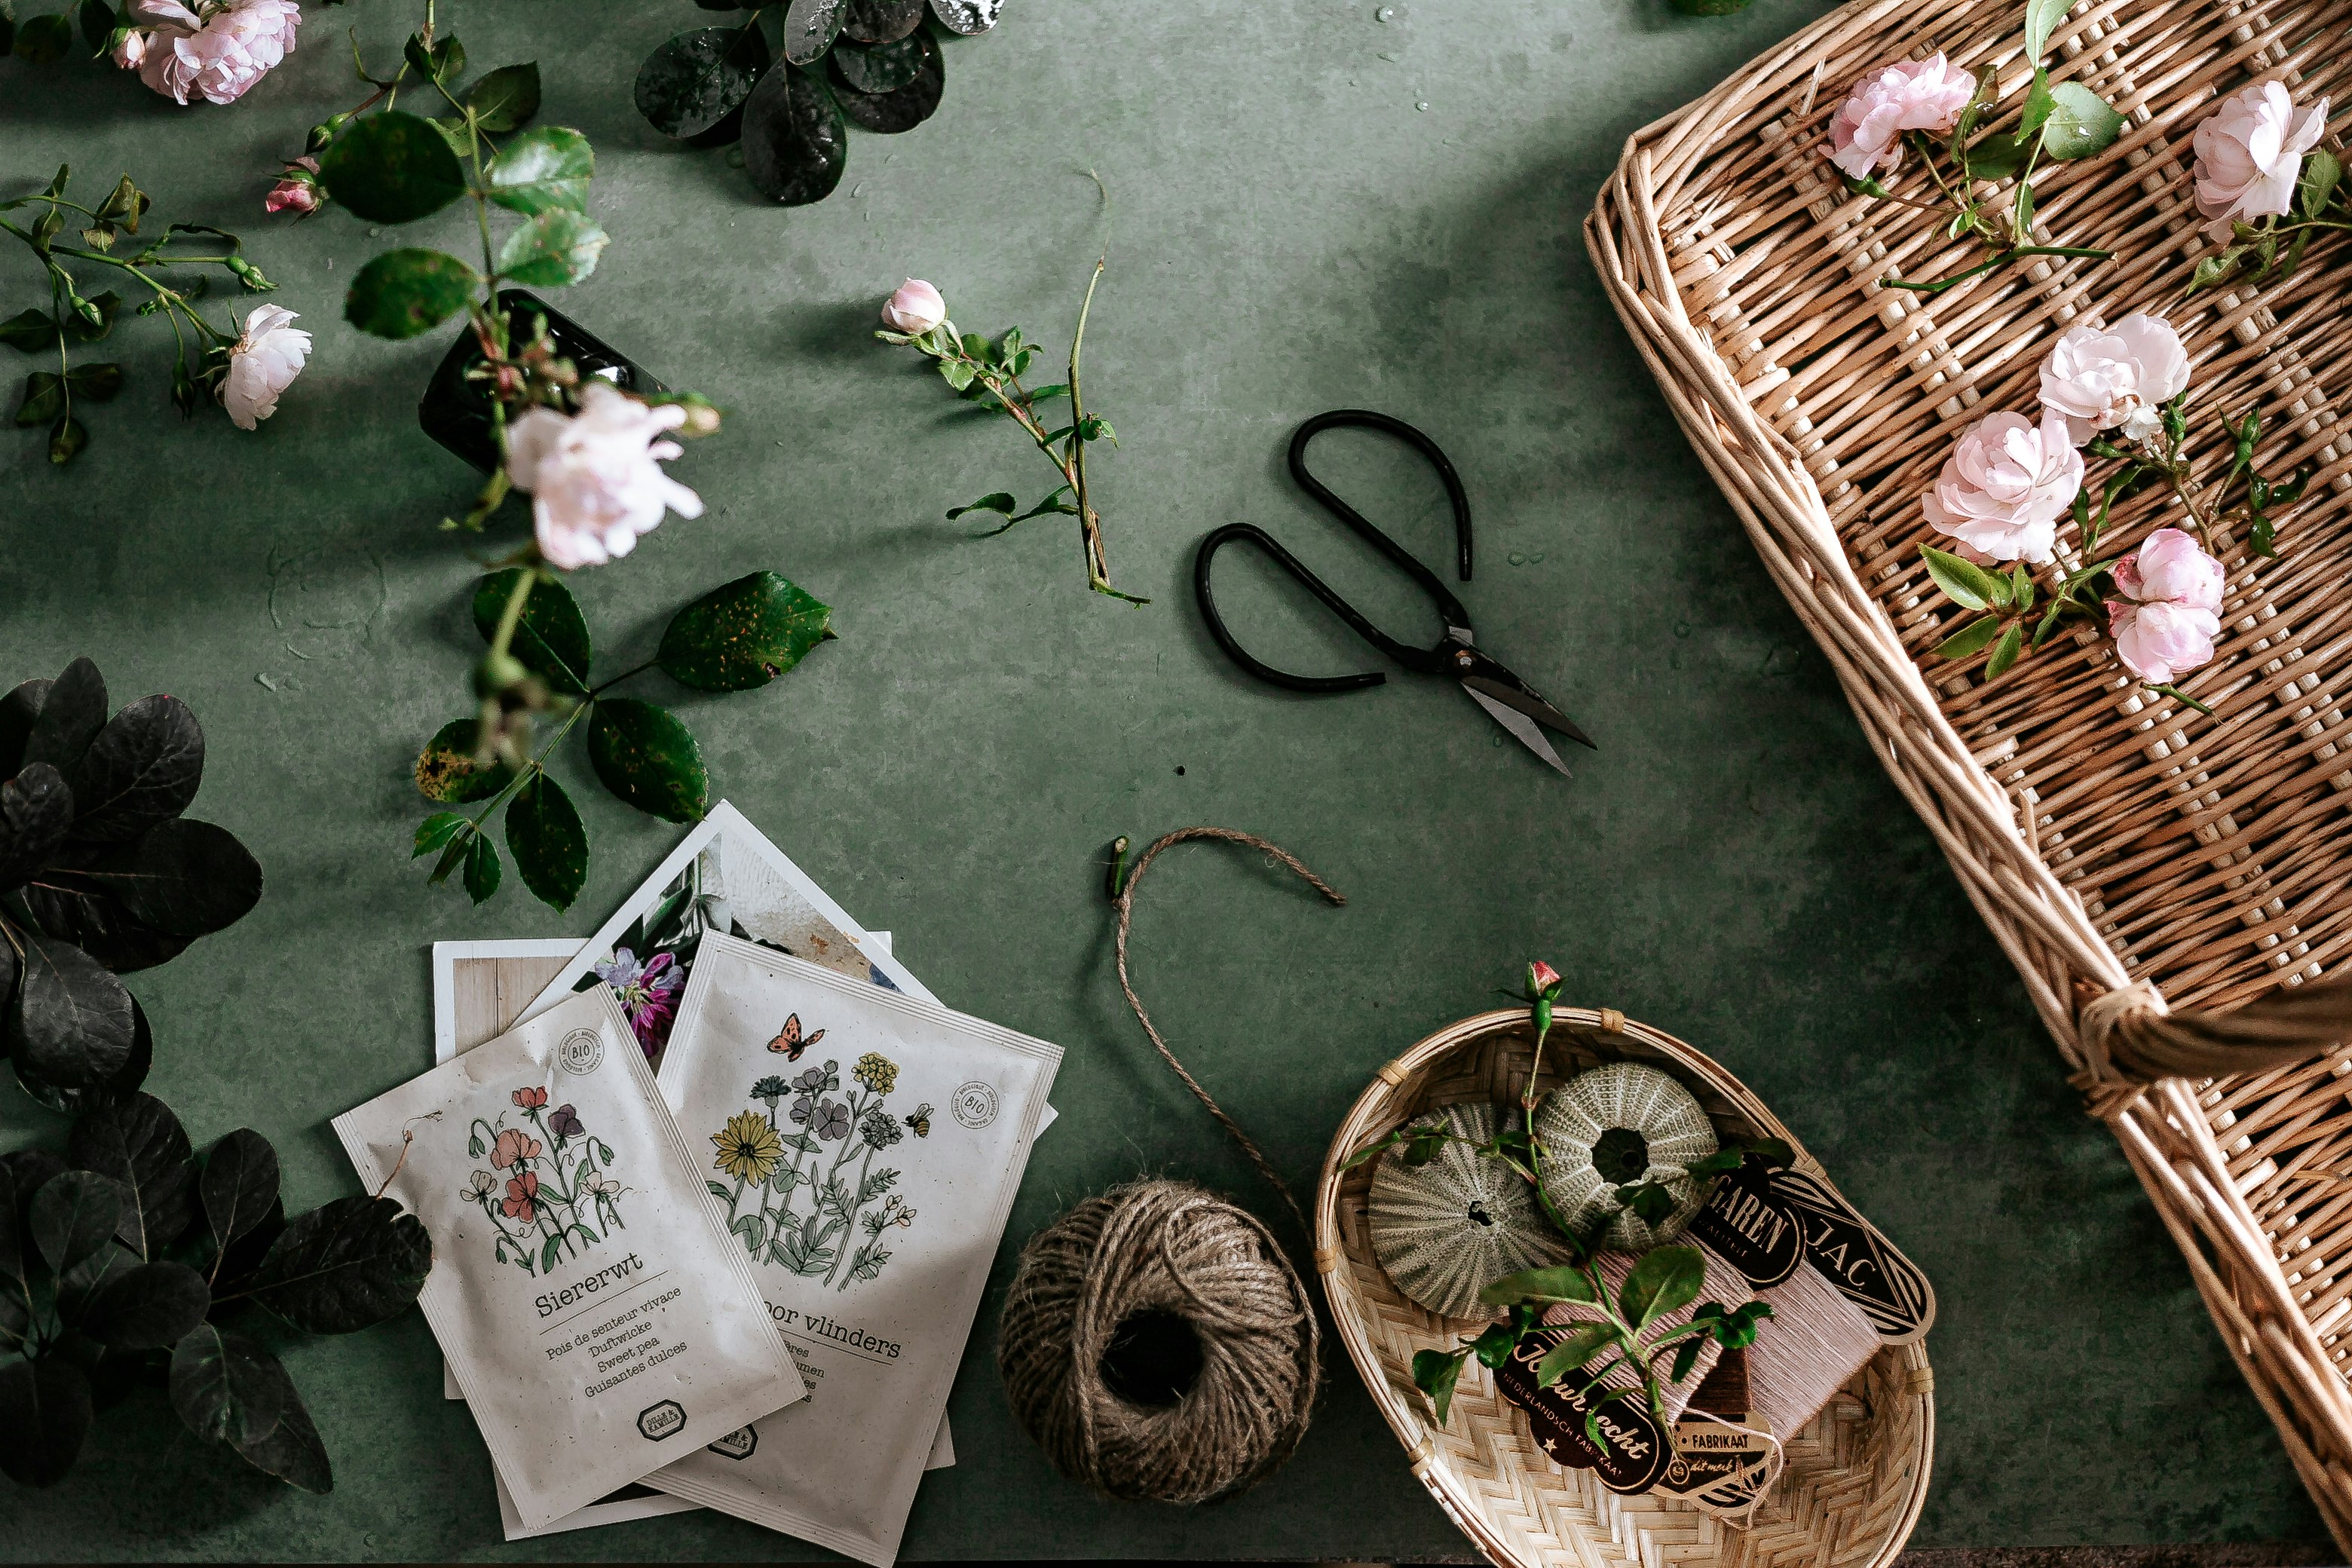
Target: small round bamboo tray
[1856, 1477]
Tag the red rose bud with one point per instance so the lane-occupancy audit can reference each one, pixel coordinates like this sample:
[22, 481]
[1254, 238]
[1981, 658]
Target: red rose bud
[1541, 977]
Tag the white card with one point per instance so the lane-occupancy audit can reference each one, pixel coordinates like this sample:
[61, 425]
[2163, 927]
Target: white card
[863, 1148]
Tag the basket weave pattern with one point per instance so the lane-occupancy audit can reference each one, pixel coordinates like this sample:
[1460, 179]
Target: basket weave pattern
[1856, 1478]
[2132, 856]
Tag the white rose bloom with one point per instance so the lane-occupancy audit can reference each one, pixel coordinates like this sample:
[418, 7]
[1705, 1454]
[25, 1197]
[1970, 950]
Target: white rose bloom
[2249, 154]
[596, 477]
[264, 363]
[2099, 379]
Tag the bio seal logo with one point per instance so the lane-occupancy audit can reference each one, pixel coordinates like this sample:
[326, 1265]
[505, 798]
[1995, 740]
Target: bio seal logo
[974, 1104]
[666, 1419]
[581, 1052]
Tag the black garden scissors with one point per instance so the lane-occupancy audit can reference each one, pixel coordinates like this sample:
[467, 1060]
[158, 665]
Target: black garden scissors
[1515, 705]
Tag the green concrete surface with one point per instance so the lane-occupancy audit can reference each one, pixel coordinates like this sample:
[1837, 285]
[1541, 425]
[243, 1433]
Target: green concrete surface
[1314, 207]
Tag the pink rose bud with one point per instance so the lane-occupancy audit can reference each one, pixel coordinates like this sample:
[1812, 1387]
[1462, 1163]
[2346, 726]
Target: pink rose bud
[1910, 94]
[298, 191]
[1541, 976]
[131, 50]
[915, 309]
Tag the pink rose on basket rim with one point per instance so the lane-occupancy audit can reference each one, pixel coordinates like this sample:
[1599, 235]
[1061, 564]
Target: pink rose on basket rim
[2006, 485]
[2115, 378]
[915, 309]
[2249, 154]
[263, 364]
[297, 191]
[1909, 95]
[2165, 624]
[596, 477]
[217, 53]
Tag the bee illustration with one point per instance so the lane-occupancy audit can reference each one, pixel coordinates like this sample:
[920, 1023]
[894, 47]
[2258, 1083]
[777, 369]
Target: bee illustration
[792, 1042]
[922, 1121]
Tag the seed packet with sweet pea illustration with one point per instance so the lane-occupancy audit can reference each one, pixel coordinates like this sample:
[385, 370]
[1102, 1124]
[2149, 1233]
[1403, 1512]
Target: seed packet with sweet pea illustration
[861, 1147]
[597, 1316]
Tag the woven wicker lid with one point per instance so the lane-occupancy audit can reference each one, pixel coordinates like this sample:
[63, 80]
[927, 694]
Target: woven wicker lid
[1857, 1476]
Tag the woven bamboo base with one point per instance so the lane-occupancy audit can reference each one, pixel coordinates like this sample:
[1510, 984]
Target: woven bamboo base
[2130, 855]
[1856, 1477]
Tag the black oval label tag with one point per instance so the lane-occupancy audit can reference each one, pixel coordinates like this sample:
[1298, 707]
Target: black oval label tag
[1634, 1451]
[1748, 1227]
[1863, 1264]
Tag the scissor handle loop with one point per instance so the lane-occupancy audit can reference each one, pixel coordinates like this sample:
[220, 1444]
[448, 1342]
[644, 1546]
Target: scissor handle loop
[1219, 538]
[1455, 615]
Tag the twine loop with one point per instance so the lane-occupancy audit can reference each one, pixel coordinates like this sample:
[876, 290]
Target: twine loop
[2130, 1037]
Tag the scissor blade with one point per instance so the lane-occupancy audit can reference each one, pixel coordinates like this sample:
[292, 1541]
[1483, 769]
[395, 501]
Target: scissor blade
[1522, 726]
[1529, 703]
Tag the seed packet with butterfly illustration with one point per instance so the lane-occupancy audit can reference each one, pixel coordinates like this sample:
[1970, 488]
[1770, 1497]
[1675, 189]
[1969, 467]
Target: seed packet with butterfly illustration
[862, 1147]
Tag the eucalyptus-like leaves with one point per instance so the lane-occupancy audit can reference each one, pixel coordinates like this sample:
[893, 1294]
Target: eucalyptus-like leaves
[128, 1259]
[100, 875]
[739, 636]
[166, 275]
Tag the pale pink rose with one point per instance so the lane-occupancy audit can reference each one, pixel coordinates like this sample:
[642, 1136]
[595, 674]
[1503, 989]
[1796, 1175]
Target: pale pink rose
[298, 191]
[596, 477]
[2006, 485]
[2103, 380]
[2249, 154]
[1910, 94]
[264, 362]
[217, 56]
[915, 309]
[2165, 623]
[130, 49]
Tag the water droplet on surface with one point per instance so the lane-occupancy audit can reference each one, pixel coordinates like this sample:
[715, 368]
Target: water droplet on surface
[1387, 56]
[1517, 559]
[1681, 628]
[1537, 556]
[1424, 107]
[1384, 13]
[376, 234]
[856, 190]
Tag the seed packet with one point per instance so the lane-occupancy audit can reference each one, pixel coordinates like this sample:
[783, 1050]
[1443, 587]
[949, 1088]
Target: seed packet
[862, 1148]
[598, 1318]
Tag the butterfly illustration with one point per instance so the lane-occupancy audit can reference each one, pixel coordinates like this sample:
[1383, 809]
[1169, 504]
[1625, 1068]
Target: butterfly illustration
[792, 1042]
[922, 1121]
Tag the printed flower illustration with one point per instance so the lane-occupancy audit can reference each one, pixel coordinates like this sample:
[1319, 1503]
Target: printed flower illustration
[564, 1120]
[879, 1129]
[529, 1099]
[748, 1149]
[831, 1120]
[647, 993]
[771, 1090]
[515, 1147]
[522, 1197]
[479, 1186]
[877, 1073]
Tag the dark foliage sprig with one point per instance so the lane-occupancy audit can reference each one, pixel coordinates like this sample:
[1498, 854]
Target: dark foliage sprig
[179, 254]
[127, 1261]
[99, 875]
[737, 637]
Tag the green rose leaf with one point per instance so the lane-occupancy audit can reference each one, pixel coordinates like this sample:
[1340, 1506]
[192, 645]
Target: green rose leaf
[344, 1266]
[556, 247]
[44, 40]
[2082, 123]
[2321, 175]
[2042, 17]
[1976, 635]
[1663, 1279]
[1435, 1373]
[1582, 1344]
[551, 639]
[647, 758]
[549, 845]
[404, 292]
[1968, 585]
[483, 868]
[505, 98]
[542, 170]
[35, 331]
[68, 436]
[98, 382]
[1995, 156]
[694, 85]
[744, 634]
[2005, 652]
[442, 61]
[447, 773]
[392, 167]
[1560, 1284]
[437, 830]
[224, 1388]
[44, 400]
[44, 1414]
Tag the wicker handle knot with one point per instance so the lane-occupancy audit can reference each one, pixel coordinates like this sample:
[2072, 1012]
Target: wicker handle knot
[2130, 1037]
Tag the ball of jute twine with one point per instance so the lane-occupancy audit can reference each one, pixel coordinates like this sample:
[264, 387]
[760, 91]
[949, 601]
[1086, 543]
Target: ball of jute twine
[1165, 1247]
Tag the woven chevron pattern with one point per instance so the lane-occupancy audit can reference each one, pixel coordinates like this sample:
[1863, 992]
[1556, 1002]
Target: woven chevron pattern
[1856, 1477]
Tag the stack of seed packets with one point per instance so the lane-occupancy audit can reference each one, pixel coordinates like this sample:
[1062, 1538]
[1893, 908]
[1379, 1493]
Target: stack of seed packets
[724, 877]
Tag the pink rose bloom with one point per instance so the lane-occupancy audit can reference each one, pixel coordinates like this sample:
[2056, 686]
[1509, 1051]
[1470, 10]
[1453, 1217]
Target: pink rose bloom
[1541, 976]
[297, 191]
[2249, 154]
[2006, 485]
[596, 477]
[2113, 380]
[1910, 94]
[2165, 624]
[130, 49]
[216, 55]
[915, 309]
[265, 362]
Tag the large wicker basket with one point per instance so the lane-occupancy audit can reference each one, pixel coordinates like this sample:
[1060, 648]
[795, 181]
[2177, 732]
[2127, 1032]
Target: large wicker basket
[1856, 1477]
[2132, 856]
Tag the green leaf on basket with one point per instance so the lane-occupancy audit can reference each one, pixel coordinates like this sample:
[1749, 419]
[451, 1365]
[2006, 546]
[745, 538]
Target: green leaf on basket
[2039, 103]
[1435, 1373]
[557, 247]
[744, 634]
[549, 844]
[392, 167]
[1541, 1285]
[2004, 653]
[1968, 585]
[505, 100]
[2042, 18]
[647, 758]
[551, 639]
[2321, 172]
[544, 169]
[1665, 1280]
[404, 292]
[1579, 1347]
[2082, 123]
